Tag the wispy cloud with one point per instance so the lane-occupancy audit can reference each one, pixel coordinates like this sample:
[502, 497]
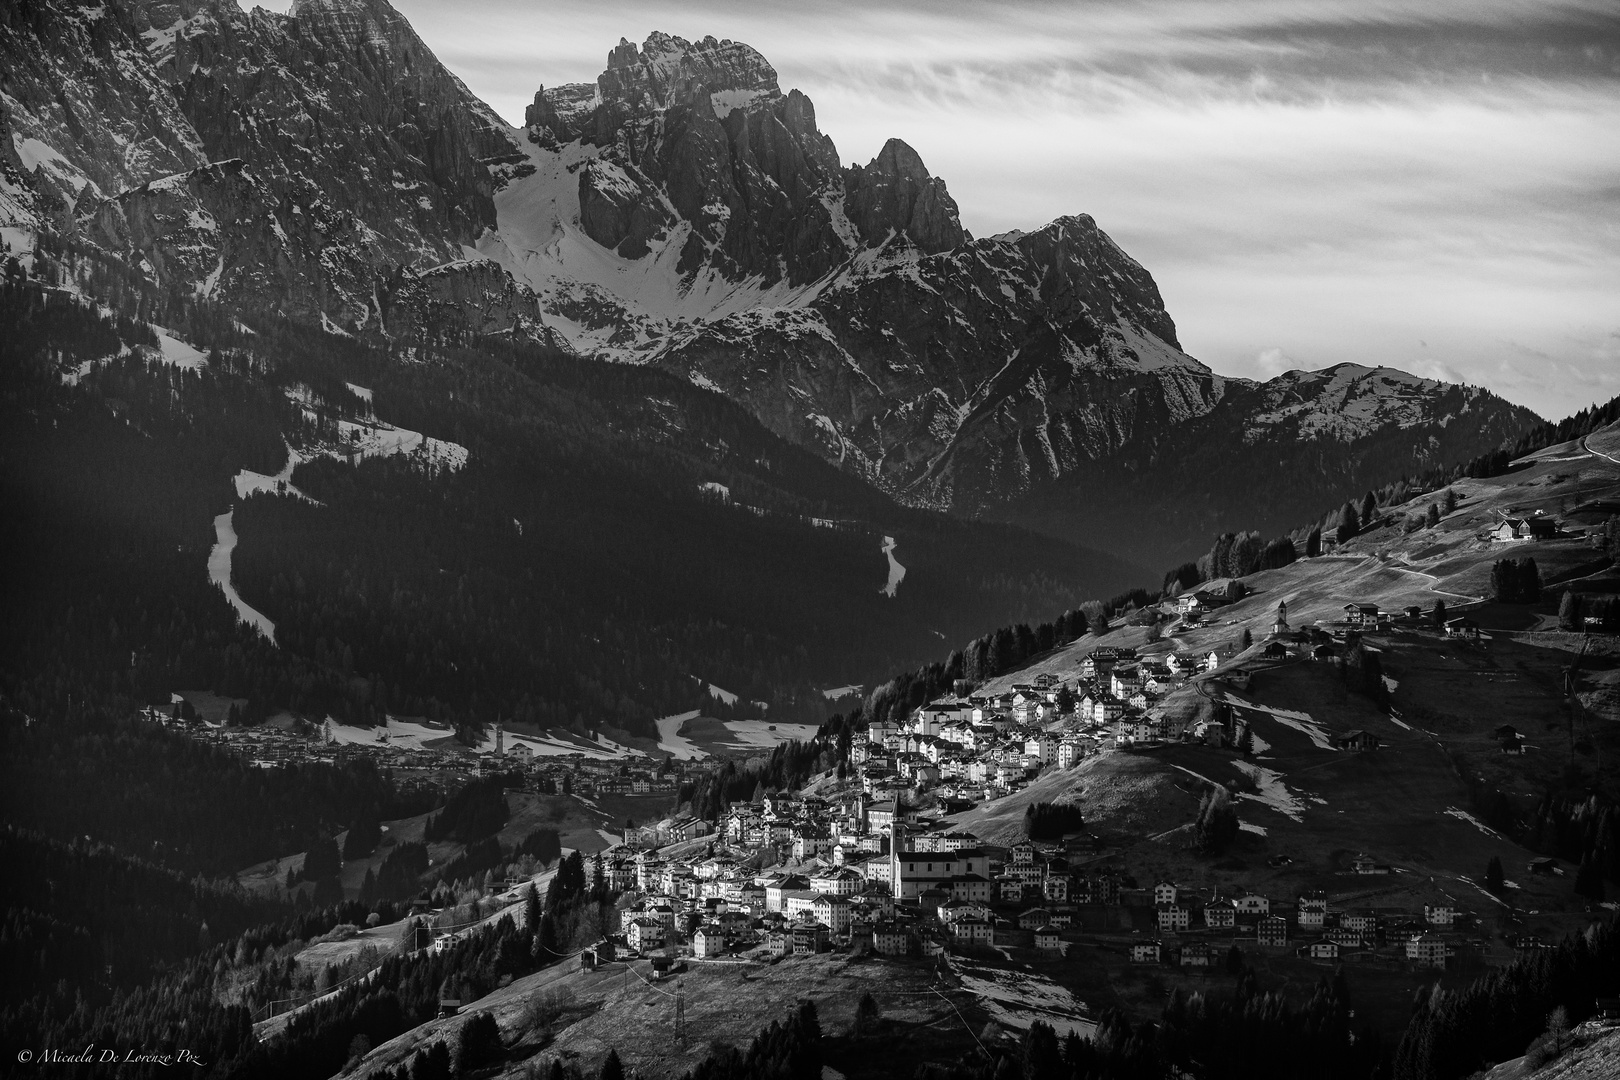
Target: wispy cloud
[1330, 180]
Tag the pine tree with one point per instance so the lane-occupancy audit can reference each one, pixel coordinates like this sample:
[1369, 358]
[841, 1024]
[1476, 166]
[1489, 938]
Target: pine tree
[322, 860]
[1349, 522]
[1589, 879]
[1313, 543]
[363, 837]
[1042, 1057]
[1451, 500]
[546, 949]
[1066, 700]
[1495, 880]
[866, 1015]
[1569, 611]
[1433, 517]
[480, 1042]
[1217, 823]
[531, 906]
[1438, 616]
[1369, 510]
[432, 1064]
[612, 1069]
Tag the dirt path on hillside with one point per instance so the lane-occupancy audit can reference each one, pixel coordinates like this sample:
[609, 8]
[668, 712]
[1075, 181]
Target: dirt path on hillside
[1432, 588]
[1587, 446]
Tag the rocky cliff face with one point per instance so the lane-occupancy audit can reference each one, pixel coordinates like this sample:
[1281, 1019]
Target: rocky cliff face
[846, 306]
[287, 161]
[697, 138]
[960, 377]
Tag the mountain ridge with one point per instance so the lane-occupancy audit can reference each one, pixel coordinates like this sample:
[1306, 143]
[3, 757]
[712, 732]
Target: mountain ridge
[682, 210]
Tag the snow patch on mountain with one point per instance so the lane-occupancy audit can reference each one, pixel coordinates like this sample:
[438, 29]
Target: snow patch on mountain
[671, 742]
[605, 303]
[249, 483]
[219, 572]
[897, 573]
[177, 352]
[724, 101]
[1271, 791]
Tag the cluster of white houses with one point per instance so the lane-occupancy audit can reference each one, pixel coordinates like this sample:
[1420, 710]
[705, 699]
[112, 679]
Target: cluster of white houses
[987, 746]
[795, 874]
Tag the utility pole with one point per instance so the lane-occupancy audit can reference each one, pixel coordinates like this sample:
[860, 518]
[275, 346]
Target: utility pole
[680, 1016]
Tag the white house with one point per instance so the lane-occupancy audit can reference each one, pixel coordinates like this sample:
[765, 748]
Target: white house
[644, 934]
[709, 940]
[833, 912]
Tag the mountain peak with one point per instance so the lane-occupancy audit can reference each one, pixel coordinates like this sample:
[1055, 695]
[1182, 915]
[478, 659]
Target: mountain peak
[667, 70]
[895, 193]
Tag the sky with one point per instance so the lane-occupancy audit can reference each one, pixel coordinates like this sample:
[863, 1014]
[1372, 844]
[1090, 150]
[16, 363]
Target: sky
[1432, 186]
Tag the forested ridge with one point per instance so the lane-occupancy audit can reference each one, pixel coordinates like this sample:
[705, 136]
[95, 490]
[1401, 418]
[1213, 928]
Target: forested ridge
[574, 573]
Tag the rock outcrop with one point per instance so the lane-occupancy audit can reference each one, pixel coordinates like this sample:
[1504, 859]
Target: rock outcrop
[847, 307]
[895, 194]
[286, 161]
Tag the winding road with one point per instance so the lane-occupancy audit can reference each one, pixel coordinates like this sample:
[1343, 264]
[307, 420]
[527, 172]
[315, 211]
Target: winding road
[1586, 445]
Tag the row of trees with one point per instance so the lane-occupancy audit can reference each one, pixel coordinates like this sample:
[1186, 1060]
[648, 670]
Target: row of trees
[475, 811]
[1516, 581]
[1242, 554]
[1053, 821]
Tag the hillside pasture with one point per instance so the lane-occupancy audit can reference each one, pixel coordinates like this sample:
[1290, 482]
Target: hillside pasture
[620, 1007]
[579, 827]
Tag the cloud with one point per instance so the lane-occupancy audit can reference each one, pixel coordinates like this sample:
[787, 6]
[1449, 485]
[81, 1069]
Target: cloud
[1273, 362]
[1439, 372]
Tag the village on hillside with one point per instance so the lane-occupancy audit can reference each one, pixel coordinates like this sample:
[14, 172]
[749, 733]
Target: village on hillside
[912, 852]
[880, 868]
[960, 832]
